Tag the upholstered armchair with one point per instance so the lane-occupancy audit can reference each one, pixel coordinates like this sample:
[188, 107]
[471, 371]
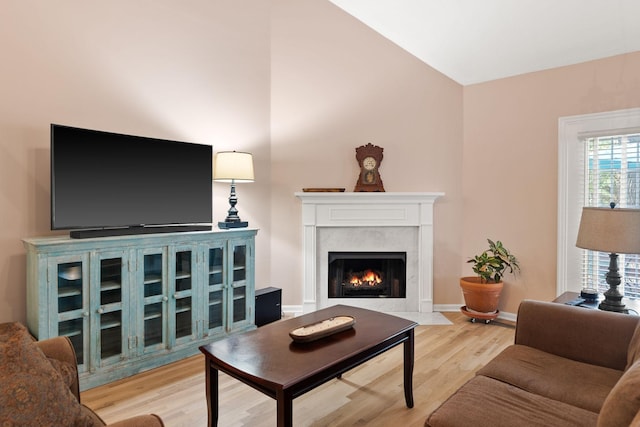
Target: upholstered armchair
[40, 384]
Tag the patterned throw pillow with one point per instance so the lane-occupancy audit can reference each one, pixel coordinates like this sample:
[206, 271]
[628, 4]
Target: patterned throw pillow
[33, 392]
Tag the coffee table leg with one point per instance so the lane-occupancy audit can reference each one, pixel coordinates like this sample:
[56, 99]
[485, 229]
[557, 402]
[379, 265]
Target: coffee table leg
[408, 369]
[212, 393]
[285, 409]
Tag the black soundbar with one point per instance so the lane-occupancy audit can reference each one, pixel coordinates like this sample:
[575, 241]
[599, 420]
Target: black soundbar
[107, 232]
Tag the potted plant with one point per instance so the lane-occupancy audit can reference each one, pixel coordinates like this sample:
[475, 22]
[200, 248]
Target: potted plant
[482, 292]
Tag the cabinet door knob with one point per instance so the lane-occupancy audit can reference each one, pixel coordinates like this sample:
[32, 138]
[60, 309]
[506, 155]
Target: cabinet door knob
[100, 310]
[165, 299]
[85, 314]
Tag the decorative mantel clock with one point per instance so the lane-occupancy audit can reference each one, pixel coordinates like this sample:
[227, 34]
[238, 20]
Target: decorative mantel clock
[369, 158]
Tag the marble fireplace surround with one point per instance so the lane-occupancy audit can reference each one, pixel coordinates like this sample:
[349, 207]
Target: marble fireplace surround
[389, 221]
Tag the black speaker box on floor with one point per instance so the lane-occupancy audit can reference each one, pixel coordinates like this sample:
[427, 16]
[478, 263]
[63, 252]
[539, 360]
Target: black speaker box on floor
[268, 305]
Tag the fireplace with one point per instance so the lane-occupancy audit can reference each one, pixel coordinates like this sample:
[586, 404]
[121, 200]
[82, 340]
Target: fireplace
[388, 223]
[367, 274]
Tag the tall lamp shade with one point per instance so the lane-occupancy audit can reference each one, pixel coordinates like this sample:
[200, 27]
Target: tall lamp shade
[233, 167]
[616, 231]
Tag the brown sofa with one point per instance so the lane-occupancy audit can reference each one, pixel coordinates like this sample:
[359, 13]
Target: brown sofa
[40, 384]
[569, 366]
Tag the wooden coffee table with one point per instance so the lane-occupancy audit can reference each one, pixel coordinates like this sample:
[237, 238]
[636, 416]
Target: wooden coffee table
[268, 359]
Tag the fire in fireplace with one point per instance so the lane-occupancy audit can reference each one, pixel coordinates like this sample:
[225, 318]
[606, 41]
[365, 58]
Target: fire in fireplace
[367, 274]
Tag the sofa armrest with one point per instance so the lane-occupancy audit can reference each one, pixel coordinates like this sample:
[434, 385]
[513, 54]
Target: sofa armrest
[60, 348]
[585, 335]
[151, 420]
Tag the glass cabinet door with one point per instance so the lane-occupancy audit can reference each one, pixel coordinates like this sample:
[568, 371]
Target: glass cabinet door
[110, 307]
[70, 303]
[183, 321]
[214, 313]
[153, 297]
[239, 303]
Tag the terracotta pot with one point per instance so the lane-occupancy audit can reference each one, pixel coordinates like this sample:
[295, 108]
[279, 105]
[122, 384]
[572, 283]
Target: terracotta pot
[481, 297]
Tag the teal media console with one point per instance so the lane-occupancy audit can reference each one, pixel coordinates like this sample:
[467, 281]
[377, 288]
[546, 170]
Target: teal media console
[132, 303]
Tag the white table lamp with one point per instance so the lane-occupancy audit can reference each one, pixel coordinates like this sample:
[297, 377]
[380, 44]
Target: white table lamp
[233, 167]
[616, 231]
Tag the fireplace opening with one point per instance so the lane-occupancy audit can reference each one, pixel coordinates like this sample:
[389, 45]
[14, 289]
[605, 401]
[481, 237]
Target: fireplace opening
[367, 274]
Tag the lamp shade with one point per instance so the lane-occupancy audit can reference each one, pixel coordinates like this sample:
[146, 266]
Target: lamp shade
[233, 166]
[610, 230]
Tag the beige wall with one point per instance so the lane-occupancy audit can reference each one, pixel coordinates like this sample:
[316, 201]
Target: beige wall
[511, 157]
[300, 84]
[336, 85]
[194, 70]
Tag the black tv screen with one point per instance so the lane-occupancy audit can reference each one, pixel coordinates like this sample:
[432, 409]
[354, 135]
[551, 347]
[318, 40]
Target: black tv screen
[109, 180]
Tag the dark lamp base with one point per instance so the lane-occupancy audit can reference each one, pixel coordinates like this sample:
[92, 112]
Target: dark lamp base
[612, 296]
[234, 224]
[615, 306]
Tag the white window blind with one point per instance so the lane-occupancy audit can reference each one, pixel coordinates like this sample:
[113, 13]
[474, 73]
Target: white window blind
[611, 175]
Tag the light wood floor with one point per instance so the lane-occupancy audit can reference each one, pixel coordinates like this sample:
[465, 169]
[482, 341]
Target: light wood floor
[371, 394]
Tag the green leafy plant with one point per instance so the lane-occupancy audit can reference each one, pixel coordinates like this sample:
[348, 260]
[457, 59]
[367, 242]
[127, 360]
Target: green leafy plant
[492, 264]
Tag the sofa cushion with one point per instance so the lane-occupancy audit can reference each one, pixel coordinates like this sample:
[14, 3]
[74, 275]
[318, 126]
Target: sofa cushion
[140, 421]
[633, 352]
[483, 401]
[33, 391]
[93, 416]
[553, 376]
[623, 403]
[636, 421]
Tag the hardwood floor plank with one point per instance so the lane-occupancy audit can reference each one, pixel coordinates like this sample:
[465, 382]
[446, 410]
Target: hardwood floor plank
[446, 356]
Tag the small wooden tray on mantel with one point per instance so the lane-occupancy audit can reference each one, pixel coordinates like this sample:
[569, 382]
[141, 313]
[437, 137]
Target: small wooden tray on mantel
[323, 190]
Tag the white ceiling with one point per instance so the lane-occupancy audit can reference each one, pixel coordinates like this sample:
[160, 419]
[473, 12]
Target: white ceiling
[473, 41]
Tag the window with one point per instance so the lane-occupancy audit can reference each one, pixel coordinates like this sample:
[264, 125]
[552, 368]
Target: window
[612, 175]
[598, 163]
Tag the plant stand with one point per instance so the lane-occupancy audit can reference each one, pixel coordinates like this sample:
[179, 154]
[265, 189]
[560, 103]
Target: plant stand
[475, 316]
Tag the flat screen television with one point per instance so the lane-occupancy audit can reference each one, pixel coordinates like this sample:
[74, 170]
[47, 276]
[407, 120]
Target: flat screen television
[105, 183]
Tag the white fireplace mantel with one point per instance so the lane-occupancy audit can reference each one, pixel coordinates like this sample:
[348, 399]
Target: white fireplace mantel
[322, 212]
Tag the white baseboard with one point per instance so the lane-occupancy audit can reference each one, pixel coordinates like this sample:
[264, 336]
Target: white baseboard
[292, 310]
[512, 317]
[444, 308]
